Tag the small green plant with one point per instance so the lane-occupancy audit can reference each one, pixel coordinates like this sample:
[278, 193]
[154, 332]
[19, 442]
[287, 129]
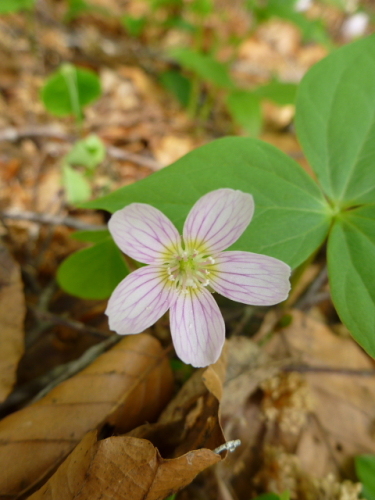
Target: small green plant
[10, 6]
[66, 92]
[79, 7]
[87, 153]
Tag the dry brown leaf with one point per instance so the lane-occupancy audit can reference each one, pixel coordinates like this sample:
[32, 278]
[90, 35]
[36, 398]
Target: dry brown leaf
[122, 467]
[12, 314]
[191, 420]
[125, 387]
[131, 467]
[341, 425]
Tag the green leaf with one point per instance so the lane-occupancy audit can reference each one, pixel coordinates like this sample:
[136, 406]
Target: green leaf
[365, 469]
[76, 186]
[335, 122]
[134, 25]
[69, 90]
[245, 109]
[351, 264]
[268, 496]
[291, 215]
[311, 29]
[88, 152]
[91, 236]
[204, 66]
[178, 84]
[202, 7]
[94, 272]
[76, 8]
[279, 92]
[9, 6]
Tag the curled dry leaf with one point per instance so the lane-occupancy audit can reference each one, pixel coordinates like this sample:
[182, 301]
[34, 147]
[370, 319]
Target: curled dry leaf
[12, 314]
[125, 387]
[131, 468]
[122, 468]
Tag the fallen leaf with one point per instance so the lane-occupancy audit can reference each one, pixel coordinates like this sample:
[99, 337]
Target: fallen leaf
[124, 387]
[12, 314]
[342, 420]
[131, 466]
[191, 419]
[122, 467]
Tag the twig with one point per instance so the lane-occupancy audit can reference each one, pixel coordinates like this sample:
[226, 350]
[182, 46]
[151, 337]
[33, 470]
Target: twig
[55, 220]
[51, 131]
[143, 161]
[75, 325]
[228, 446]
[312, 294]
[329, 369]
[12, 134]
[38, 387]
[246, 316]
[69, 369]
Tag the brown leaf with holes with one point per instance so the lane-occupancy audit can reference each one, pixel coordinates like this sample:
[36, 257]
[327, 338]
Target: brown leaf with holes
[125, 387]
[12, 314]
[120, 468]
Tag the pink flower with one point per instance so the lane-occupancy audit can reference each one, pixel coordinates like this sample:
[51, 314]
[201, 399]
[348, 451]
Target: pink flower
[182, 271]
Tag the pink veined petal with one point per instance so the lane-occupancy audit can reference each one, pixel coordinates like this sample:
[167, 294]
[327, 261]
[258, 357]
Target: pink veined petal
[251, 278]
[139, 301]
[143, 232]
[197, 328]
[218, 219]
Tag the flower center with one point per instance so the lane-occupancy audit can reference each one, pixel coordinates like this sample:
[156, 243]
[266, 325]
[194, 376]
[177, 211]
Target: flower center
[190, 270]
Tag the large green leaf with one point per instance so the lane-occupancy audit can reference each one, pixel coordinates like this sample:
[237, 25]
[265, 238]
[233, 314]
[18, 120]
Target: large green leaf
[93, 272]
[351, 261]
[335, 122]
[291, 215]
[365, 469]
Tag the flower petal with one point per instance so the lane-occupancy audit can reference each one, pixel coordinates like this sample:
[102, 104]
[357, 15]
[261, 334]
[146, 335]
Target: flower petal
[197, 328]
[143, 232]
[250, 278]
[217, 220]
[139, 301]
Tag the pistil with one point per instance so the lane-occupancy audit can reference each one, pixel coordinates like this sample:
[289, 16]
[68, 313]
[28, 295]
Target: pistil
[189, 271]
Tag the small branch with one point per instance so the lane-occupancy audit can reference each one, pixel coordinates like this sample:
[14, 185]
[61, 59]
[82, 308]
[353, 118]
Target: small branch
[54, 220]
[328, 369]
[312, 296]
[246, 316]
[75, 325]
[228, 446]
[52, 131]
[143, 161]
[67, 370]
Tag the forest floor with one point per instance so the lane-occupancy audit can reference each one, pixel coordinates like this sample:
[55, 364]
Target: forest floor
[292, 385]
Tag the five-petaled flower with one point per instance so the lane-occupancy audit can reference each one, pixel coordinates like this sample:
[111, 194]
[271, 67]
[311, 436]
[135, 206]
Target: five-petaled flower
[182, 272]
